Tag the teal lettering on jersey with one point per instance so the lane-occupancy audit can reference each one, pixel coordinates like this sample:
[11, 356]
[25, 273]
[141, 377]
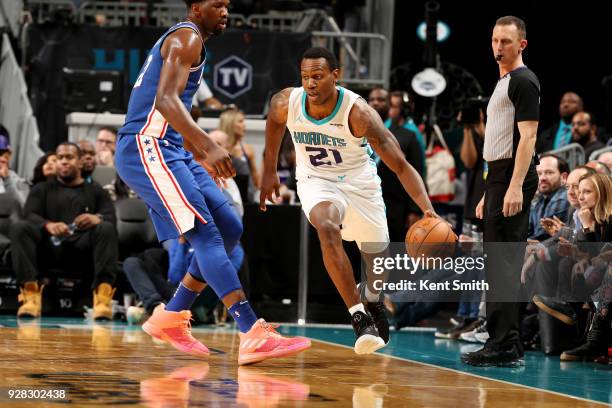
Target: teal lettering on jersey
[317, 139]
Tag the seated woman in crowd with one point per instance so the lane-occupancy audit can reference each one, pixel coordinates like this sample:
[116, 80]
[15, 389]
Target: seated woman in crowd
[232, 123]
[596, 207]
[45, 168]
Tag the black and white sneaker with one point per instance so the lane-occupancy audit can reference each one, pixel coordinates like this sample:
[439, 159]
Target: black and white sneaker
[377, 311]
[368, 340]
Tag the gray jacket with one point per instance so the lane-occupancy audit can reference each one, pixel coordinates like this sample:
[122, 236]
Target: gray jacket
[15, 187]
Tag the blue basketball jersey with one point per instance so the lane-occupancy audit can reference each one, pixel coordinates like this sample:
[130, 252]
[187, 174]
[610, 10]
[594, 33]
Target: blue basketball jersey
[142, 117]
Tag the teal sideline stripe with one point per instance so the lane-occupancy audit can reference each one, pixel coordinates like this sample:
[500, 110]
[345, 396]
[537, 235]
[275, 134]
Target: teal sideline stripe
[331, 116]
[590, 381]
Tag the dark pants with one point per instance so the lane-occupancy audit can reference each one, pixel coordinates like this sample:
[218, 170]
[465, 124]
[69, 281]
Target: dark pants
[147, 275]
[32, 250]
[503, 263]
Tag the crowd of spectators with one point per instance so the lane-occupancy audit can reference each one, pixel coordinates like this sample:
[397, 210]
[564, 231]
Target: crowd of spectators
[68, 217]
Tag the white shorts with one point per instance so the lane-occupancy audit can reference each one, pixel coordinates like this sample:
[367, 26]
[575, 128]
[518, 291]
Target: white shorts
[360, 203]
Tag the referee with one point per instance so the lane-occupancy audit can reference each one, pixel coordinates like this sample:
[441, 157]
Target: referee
[510, 137]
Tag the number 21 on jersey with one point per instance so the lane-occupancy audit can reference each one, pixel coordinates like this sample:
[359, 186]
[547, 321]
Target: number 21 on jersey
[319, 159]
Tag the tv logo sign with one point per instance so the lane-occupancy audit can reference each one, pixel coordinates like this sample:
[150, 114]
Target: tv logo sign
[233, 76]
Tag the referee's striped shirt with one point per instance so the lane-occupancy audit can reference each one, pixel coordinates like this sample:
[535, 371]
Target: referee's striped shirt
[516, 98]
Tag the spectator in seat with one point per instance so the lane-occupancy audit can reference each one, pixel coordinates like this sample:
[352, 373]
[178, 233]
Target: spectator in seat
[243, 178]
[401, 210]
[606, 158]
[10, 183]
[232, 122]
[584, 132]
[88, 158]
[596, 217]
[401, 106]
[105, 146]
[83, 217]
[552, 277]
[552, 198]
[45, 168]
[599, 167]
[596, 207]
[560, 134]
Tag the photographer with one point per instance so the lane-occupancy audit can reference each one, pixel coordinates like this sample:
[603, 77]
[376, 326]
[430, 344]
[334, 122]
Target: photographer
[472, 117]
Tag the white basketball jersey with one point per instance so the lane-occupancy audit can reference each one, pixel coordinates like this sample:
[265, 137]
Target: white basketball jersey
[326, 148]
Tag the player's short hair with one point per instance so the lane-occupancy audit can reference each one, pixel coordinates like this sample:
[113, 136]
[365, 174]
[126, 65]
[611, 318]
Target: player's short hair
[517, 22]
[320, 52]
[188, 3]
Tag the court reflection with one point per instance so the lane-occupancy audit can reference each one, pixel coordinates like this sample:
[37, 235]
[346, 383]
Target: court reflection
[172, 390]
[258, 390]
[28, 330]
[372, 396]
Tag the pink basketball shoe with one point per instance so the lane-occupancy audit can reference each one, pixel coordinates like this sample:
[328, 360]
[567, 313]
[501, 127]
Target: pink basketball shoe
[263, 342]
[174, 328]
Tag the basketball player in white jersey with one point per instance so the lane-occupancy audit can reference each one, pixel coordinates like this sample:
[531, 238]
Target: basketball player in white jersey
[332, 129]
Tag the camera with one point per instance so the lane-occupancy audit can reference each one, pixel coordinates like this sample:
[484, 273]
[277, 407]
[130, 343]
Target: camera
[470, 110]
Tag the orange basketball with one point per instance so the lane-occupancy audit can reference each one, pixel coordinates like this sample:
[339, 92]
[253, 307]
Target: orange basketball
[430, 237]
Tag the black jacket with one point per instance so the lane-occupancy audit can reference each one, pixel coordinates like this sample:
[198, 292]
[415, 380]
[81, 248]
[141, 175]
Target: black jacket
[52, 201]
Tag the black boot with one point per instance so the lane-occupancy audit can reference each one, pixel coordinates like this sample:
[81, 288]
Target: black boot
[510, 355]
[597, 340]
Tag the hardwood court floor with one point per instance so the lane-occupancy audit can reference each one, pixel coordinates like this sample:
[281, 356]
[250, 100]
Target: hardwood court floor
[119, 366]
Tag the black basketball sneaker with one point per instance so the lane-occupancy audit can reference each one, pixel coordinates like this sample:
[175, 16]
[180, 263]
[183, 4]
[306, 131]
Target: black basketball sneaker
[377, 311]
[368, 340]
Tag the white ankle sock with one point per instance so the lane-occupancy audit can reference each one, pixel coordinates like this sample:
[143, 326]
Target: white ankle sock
[357, 308]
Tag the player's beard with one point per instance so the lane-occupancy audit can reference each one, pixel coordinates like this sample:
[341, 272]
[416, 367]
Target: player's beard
[217, 31]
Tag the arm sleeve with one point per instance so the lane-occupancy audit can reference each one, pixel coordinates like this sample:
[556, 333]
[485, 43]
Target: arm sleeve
[17, 187]
[525, 96]
[34, 209]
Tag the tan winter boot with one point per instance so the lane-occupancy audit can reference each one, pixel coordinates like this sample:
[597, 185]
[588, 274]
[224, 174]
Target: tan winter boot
[102, 308]
[31, 299]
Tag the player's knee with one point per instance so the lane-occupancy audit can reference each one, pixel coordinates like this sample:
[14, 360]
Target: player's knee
[235, 230]
[232, 231]
[328, 231]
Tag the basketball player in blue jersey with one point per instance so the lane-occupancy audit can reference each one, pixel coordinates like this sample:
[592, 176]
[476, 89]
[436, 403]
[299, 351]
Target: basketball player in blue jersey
[182, 197]
[332, 129]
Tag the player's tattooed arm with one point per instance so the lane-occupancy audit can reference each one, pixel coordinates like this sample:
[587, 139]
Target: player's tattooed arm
[181, 51]
[364, 121]
[275, 130]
